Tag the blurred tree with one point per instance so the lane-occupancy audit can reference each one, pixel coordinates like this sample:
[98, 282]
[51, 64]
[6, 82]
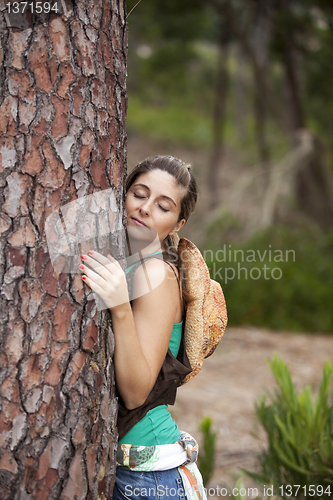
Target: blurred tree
[241, 19]
[262, 24]
[161, 54]
[294, 27]
[291, 19]
[219, 119]
[317, 71]
[219, 115]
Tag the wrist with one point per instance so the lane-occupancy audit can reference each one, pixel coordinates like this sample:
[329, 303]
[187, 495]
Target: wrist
[121, 311]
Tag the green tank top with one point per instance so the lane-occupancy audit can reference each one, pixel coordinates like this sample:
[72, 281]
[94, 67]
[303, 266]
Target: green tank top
[157, 426]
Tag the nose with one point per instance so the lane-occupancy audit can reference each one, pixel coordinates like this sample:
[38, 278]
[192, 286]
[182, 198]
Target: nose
[144, 208]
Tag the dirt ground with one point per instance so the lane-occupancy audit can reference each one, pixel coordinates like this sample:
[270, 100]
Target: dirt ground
[230, 383]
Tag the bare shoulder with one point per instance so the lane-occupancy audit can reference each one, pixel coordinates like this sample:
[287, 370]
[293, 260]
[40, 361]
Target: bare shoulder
[153, 273]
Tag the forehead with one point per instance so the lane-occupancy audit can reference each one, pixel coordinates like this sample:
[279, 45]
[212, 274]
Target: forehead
[160, 182]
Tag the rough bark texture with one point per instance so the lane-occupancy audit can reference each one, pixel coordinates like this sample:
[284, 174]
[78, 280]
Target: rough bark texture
[62, 136]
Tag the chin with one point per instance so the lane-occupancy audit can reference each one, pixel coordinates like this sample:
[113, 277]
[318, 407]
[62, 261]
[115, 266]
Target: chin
[140, 233]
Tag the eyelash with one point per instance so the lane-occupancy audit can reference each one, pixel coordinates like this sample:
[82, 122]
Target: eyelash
[142, 197]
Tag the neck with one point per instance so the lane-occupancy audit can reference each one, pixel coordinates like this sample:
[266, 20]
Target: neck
[137, 251]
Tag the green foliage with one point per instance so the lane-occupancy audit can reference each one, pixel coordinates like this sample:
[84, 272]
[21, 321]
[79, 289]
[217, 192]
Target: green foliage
[294, 290]
[239, 487]
[207, 450]
[168, 29]
[299, 430]
[183, 21]
[174, 124]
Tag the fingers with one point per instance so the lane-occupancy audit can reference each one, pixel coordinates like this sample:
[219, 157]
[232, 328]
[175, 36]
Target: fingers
[94, 286]
[105, 276]
[92, 275]
[102, 265]
[105, 261]
[97, 257]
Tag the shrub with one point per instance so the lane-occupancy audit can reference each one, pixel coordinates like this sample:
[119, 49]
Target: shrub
[299, 458]
[206, 457]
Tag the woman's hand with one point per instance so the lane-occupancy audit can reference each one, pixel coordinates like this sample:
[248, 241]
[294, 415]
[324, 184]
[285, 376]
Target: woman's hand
[105, 277]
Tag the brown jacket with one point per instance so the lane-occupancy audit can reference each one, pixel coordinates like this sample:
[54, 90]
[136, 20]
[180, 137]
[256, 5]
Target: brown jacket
[172, 373]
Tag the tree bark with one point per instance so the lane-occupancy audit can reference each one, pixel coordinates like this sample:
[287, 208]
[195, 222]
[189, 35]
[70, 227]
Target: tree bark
[62, 137]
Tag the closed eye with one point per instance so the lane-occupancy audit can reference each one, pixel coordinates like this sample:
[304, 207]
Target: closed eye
[142, 198]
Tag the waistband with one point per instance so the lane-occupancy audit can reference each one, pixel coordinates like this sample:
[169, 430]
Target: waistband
[158, 457]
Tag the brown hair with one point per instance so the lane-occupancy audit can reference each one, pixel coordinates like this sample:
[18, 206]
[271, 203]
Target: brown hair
[183, 174]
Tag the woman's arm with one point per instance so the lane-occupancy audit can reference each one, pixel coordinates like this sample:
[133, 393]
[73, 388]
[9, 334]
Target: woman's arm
[142, 333]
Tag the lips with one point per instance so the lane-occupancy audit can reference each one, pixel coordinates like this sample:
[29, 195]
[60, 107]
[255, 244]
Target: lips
[138, 222]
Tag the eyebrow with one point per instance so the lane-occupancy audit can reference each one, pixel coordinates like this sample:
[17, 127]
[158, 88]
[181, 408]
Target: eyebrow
[161, 196]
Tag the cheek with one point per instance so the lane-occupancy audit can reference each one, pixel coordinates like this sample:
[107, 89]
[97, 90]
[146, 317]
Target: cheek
[169, 224]
[129, 203]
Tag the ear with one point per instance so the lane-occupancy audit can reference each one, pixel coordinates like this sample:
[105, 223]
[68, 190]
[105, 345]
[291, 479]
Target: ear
[177, 227]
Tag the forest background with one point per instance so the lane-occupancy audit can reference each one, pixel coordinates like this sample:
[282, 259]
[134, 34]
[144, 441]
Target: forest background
[242, 90]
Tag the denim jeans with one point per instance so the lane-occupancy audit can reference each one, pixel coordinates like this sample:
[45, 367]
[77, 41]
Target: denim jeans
[149, 485]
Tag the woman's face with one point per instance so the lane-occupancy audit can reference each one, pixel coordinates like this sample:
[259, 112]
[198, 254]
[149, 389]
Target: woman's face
[153, 206]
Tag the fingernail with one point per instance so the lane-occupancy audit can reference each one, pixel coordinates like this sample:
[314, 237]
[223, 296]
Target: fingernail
[83, 257]
[81, 266]
[110, 256]
[84, 278]
[90, 252]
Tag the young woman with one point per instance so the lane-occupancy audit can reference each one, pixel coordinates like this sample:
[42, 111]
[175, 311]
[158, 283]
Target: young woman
[147, 318]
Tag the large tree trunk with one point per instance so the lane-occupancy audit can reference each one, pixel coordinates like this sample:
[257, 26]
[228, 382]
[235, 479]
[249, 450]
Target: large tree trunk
[62, 137]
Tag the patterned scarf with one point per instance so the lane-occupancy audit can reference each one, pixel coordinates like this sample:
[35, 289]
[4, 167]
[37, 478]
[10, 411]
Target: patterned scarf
[182, 454]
